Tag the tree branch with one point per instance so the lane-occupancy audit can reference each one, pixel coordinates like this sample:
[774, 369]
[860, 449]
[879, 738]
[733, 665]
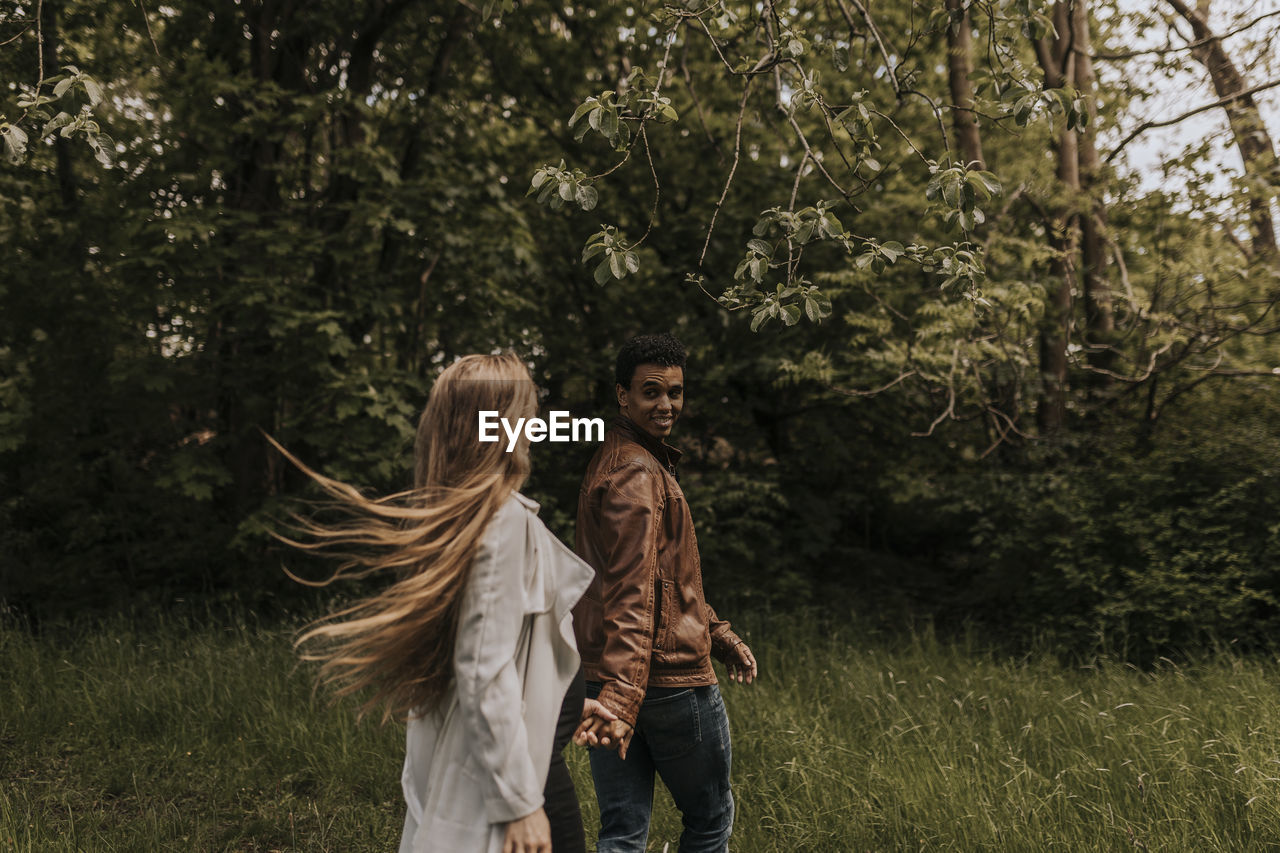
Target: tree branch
[737, 153]
[853, 392]
[1223, 101]
[1161, 51]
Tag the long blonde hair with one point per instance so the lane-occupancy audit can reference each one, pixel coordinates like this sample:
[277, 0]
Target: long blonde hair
[400, 642]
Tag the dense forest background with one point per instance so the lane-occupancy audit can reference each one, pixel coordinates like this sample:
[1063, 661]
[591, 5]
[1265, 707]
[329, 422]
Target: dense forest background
[950, 357]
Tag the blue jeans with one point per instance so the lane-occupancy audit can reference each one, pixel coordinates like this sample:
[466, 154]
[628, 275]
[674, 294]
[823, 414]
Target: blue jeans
[683, 735]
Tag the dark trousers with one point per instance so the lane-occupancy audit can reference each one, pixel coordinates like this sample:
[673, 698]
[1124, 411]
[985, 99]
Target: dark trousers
[560, 799]
[682, 735]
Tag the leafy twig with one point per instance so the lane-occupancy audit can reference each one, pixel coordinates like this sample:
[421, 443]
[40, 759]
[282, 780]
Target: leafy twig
[879, 39]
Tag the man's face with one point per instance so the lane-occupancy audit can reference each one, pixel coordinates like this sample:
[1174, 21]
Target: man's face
[654, 400]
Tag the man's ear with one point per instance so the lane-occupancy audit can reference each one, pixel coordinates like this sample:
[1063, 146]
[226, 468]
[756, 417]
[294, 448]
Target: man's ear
[620, 393]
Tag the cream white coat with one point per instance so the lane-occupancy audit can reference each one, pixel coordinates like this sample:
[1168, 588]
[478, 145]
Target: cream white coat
[480, 760]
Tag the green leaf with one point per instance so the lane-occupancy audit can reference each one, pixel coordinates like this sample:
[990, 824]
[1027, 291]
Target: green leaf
[988, 182]
[758, 316]
[760, 247]
[58, 121]
[93, 90]
[951, 193]
[63, 85]
[811, 310]
[623, 137]
[15, 144]
[586, 197]
[1023, 108]
[840, 57]
[632, 261]
[602, 272]
[499, 6]
[583, 108]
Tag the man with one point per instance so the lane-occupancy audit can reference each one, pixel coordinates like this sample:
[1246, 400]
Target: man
[644, 630]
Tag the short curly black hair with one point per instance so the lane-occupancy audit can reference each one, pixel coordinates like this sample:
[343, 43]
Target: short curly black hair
[663, 349]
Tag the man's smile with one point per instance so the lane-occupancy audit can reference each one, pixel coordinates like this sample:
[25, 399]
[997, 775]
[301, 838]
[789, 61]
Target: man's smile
[654, 399]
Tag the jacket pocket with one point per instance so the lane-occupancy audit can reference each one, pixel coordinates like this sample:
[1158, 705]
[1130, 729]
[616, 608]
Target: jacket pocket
[664, 610]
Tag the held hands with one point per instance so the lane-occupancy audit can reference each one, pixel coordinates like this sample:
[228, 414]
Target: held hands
[742, 664]
[601, 727]
[529, 834]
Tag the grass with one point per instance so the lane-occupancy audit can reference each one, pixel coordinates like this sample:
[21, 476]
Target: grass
[183, 737]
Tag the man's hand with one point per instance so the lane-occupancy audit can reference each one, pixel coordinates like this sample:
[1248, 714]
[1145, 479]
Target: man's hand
[618, 734]
[610, 732]
[742, 664]
[529, 834]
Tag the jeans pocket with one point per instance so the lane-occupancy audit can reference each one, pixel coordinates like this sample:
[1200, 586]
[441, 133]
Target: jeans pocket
[671, 725]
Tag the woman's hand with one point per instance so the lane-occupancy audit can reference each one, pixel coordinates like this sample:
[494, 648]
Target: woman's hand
[529, 834]
[595, 719]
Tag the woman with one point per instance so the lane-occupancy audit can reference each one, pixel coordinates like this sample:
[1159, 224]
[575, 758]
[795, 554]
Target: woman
[474, 643]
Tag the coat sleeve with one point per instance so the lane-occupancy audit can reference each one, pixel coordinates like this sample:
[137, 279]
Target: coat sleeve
[722, 637]
[630, 514]
[488, 682]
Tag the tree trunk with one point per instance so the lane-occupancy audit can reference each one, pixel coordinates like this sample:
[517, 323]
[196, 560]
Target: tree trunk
[51, 21]
[1247, 127]
[959, 67]
[1055, 330]
[1099, 317]
[1057, 60]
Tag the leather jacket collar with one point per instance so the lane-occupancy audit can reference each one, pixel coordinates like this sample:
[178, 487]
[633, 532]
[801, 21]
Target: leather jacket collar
[663, 452]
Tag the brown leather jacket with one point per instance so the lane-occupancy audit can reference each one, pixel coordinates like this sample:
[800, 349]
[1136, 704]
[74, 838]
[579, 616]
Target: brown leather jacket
[643, 621]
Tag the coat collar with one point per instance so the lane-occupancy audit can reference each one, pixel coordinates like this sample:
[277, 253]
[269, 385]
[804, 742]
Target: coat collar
[529, 503]
[660, 450]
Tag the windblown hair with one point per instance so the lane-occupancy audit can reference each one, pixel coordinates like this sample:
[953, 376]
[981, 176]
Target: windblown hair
[399, 643]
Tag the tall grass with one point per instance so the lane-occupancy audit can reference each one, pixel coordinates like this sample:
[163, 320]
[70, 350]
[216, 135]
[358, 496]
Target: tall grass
[183, 737]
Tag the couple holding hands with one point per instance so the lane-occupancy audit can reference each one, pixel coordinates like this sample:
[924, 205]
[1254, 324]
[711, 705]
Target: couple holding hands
[499, 644]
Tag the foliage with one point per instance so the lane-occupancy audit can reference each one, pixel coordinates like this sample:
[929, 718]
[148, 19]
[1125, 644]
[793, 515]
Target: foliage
[1141, 543]
[309, 210]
